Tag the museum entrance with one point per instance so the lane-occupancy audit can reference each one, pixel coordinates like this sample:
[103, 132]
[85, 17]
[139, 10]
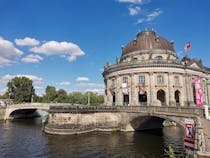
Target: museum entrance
[177, 97]
[125, 99]
[143, 98]
[161, 97]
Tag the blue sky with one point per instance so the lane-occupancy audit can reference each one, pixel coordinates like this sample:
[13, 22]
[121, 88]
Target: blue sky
[66, 43]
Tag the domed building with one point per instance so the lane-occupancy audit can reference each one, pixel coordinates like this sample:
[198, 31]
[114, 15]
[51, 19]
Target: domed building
[150, 74]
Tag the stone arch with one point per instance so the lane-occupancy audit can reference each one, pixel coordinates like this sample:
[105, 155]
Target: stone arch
[136, 120]
[26, 113]
[161, 96]
[177, 97]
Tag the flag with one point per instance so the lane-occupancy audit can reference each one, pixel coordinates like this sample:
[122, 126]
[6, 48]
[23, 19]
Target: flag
[187, 46]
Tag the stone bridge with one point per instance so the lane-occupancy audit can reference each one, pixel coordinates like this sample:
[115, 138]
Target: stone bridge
[68, 119]
[27, 108]
[81, 119]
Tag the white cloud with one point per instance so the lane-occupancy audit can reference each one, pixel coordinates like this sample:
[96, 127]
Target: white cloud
[8, 53]
[27, 41]
[99, 91]
[35, 79]
[151, 16]
[32, 59]
[140, 21]
[82, 79]
[3, 91]
[131, 1]
[90, 85]
[65, 49]
[134, 10]
[65, 83]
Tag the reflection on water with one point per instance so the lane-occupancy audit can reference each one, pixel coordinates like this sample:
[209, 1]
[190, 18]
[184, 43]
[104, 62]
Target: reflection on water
[24, 138]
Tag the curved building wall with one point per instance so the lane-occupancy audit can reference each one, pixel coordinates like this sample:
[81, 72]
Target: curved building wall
[153, 77]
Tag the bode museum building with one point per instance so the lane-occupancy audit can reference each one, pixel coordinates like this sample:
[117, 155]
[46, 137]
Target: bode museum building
[150, 74]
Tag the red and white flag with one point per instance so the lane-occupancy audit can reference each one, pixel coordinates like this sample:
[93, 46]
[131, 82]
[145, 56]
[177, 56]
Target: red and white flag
[187, 47]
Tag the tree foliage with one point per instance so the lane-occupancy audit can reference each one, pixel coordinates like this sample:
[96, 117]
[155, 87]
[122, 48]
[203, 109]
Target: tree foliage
[20, 89]
[51, 94]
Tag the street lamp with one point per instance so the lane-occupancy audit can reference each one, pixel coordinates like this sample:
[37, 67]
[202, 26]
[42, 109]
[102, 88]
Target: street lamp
[88, 98]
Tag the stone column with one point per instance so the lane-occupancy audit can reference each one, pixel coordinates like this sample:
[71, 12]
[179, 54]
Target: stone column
[185, 86]
[190, 90]
[208, 93]
[204, 90]
[152, 89]
[133, 90]
[119, 96]
[171, 90]
[106, 90]
[130, 89]
[109, 94]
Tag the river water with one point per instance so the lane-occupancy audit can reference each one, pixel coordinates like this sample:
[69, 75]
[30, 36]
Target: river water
[25, 139]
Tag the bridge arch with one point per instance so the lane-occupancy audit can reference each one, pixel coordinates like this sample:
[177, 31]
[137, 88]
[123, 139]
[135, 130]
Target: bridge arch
[27, 113]
[144, 122]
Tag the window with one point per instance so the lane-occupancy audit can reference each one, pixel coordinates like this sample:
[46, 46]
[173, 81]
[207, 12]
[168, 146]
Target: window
[125, 79]
[142, 79]
[113, 82]
[176, 79]
[158, 58]
[160, 79]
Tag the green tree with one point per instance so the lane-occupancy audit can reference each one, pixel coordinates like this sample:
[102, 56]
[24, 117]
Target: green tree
[62, 96]
[78, 98]
[20, 89]
[95, 99]
[51, 94]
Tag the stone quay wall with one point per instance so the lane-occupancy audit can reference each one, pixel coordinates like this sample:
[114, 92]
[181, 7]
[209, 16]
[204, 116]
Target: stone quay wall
[81, 120]
[2, 113]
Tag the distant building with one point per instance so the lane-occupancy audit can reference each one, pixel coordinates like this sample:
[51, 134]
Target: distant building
[149, 73]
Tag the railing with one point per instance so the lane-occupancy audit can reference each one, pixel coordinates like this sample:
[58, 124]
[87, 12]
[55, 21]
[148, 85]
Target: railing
[190, 111]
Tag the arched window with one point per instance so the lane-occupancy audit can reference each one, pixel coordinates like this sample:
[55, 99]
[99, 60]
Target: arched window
[159, 58]
[161, 97]
[177, 97]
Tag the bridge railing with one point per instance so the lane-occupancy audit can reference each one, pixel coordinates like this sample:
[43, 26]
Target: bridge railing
[194, 111]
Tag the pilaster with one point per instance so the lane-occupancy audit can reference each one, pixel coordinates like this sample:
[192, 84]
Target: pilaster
[152, 89]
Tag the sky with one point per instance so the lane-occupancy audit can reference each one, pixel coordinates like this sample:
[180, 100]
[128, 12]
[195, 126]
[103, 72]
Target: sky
[66, 43]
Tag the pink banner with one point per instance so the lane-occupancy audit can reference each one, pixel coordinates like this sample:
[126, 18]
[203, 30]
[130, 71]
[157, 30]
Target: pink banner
[124, 88]
[198, 91]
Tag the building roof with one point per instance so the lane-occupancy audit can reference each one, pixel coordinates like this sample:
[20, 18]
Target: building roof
[147, 40]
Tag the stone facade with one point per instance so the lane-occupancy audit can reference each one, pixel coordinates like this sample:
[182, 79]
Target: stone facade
[153, 75]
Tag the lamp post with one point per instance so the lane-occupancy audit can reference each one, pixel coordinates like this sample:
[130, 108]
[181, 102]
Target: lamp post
[88, 98]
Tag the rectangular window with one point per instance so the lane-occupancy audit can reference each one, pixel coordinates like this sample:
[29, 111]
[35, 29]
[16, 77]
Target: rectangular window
[113, 82]
[142, 79]
[176, 79]
[125, 79]
[160, 79]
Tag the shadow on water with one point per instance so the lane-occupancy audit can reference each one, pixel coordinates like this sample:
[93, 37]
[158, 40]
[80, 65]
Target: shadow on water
[24, 138]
